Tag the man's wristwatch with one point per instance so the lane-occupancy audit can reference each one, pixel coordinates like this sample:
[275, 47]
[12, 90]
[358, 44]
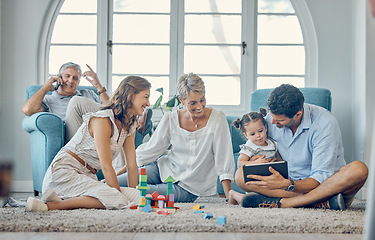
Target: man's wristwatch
[291, 186]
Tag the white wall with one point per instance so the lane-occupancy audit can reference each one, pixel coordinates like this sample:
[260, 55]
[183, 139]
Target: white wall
[20, 28]
[333, 25]
[370, 82]
[21, 21]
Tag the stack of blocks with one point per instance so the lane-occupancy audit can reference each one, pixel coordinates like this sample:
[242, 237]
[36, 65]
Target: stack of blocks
[170, 195]
[155, 202]
[142, 187]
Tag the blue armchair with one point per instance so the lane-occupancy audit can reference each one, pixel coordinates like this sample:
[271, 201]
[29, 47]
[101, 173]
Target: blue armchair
[317, 96]
[47, 133]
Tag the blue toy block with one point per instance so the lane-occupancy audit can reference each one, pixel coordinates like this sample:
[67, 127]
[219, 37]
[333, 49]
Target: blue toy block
[147, 209]
[199, 211]
[221, 220]
[208, 216]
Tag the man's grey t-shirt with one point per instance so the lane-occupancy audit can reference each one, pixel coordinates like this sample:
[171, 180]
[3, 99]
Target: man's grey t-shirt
[57, 104]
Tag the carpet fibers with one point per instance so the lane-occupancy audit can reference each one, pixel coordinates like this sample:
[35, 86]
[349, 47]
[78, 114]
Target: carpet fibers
[185, 220]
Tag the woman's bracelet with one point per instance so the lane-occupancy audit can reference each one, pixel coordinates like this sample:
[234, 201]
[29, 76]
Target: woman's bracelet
[102, 91]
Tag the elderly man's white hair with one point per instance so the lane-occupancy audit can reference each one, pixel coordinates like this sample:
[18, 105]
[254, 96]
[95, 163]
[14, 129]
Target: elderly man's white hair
[70, 65]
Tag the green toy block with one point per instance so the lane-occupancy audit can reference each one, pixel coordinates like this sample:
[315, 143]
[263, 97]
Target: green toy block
[143, 178]
[142, 187]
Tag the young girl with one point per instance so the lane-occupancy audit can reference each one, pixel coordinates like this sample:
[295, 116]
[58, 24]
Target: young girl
[254, 127]
[71, 175]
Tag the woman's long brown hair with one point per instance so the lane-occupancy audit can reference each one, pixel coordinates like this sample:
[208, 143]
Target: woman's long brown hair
[122, 97]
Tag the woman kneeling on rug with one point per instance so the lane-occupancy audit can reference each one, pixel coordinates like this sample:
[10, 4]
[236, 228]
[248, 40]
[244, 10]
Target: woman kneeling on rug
[199, 145]
[72, 173]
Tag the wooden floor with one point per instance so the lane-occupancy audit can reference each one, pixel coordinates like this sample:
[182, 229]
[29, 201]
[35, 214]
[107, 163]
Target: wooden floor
[177, 236]
[166, 236]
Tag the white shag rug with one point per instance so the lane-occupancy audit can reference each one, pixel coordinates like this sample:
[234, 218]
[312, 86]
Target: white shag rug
[299, 220]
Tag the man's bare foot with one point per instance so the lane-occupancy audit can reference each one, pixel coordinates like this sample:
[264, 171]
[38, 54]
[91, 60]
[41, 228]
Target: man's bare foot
[234, 197]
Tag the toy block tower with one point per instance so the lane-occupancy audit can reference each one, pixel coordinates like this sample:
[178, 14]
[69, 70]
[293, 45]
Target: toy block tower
[142, 187]
[170, 195]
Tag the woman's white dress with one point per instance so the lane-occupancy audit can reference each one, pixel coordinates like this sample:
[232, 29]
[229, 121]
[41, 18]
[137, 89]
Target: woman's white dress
[69, 178]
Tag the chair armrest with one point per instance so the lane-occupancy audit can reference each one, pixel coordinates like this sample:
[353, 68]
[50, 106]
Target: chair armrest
[47, 132]
[47, 123]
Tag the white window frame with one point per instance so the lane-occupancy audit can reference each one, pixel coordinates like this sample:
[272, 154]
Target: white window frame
[248, 61]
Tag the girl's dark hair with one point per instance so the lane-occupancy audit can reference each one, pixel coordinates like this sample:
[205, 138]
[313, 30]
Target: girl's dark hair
[251, 116]
[122, 97]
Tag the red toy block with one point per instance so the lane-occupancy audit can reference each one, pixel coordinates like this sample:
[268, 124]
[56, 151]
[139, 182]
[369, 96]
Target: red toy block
[170, 204]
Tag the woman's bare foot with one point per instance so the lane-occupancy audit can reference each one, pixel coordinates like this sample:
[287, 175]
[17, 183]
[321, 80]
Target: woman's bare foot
[234, 197]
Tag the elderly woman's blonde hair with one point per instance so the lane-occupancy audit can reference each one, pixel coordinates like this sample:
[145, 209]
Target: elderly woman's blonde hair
[190, 83]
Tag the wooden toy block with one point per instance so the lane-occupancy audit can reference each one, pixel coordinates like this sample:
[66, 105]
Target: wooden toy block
[147, 209]
[171, 197]
[199, 211]
[143, 171]
[142, 187]
[155, 195]
[143, 201]
[208, 216]
[170, 210]
[143, 178]
[169, 179]
[196, 207]
[143, 192]
[161, 200]
[170, 204]
[143, 184]
[221, 220]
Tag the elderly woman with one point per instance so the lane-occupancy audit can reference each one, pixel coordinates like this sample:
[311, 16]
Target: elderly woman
[199, 146]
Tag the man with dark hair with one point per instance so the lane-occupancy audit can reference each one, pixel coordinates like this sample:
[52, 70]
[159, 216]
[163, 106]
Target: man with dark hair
[309, 139]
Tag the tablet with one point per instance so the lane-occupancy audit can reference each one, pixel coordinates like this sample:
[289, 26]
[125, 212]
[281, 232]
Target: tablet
[263, 170]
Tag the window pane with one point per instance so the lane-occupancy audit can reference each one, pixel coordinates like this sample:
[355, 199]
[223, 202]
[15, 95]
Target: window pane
[212, 59]
[233, 6]
[75, 29]
[217, 87]
[212, 29]
[59, 55]
[281, 60]
[272, 82]
[159, 6]
[81, 6]
[148, 28]
[275, 6]
[279, 29]
[140, 59]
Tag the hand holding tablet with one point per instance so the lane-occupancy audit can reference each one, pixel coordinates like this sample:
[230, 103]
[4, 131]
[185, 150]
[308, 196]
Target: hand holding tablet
[263, 170]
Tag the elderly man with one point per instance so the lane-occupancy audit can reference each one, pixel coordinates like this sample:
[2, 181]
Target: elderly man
[67, 83]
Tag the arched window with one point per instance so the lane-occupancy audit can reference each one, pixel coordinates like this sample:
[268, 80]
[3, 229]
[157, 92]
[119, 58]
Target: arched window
[236, 46]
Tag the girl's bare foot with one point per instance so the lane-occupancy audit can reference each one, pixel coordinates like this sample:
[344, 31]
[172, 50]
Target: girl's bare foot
[234, 197]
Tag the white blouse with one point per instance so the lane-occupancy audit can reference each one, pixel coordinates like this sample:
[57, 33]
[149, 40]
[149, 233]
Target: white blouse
[195, 158]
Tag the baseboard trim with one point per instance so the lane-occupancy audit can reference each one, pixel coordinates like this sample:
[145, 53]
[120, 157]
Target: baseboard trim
[363, 193]
[22, 186]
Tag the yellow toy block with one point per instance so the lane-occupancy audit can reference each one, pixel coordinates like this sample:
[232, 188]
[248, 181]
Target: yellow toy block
[197, 207]
[143, 201]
